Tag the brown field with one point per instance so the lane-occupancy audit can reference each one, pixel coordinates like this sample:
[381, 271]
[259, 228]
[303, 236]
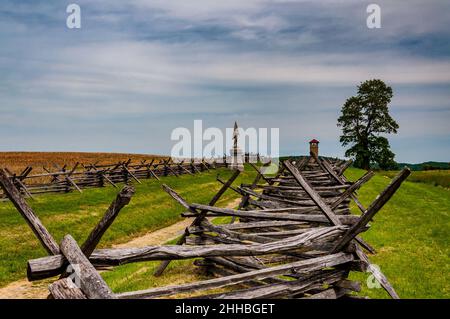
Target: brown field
[17, 161]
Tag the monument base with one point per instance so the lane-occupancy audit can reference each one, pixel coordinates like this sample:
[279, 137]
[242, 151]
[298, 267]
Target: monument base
[236, 159]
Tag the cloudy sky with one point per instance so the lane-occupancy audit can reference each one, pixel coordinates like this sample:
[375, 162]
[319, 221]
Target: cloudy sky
[138, 69]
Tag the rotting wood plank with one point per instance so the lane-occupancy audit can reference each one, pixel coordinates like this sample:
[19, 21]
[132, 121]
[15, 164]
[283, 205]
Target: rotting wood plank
[91, 283]
[52, 265]
[377, 204]
[27, 213]
[122, 199]
[295, 267]
[65, 289]
[198, 219]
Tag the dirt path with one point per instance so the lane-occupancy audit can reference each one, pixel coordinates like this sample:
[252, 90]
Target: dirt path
[23, 289]
[159, 236]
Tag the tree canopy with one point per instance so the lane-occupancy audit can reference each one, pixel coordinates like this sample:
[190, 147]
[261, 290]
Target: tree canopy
[365, 120]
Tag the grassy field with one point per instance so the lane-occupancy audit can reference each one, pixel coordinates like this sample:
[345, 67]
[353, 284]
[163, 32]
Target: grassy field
[411, 233]
[17, 161]
[432, 177]
[150, 209]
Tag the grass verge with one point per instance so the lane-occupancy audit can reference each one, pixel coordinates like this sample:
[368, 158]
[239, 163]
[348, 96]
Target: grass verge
[76, 214]
[411, 236]
[411, 233]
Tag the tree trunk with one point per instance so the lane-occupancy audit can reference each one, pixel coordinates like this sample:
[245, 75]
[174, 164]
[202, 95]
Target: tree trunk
[366, 163]
[366, 155]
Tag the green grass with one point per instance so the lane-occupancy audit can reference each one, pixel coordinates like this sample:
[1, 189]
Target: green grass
[411, 235]
[435, 178]
[76, 214]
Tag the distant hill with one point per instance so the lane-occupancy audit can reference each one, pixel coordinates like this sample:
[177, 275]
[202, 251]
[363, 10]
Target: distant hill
[426, 166]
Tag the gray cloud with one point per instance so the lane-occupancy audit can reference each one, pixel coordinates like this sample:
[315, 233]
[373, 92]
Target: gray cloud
[161, 64]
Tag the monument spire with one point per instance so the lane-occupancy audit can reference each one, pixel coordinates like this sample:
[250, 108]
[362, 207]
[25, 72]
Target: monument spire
[236, 153]
[235, 135]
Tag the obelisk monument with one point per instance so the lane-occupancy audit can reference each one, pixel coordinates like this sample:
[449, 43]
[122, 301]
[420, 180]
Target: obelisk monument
[237, 162]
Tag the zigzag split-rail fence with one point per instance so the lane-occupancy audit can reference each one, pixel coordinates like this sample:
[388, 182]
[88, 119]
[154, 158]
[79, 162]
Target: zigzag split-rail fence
[292, 236]
[65, 179]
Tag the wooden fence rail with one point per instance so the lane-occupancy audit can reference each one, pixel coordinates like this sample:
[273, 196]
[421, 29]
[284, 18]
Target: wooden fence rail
[91, 175]
[291, 236]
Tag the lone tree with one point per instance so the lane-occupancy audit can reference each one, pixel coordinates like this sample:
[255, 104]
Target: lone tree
[364, 117]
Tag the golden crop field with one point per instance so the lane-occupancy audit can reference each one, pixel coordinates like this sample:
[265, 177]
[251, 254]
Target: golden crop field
[17, 161]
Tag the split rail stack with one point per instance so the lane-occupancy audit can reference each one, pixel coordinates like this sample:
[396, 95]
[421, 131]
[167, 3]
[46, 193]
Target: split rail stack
[292, 236]
[65, 179]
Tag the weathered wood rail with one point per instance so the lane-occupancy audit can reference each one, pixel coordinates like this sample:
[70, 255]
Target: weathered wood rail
[82, 176]
[291, 236]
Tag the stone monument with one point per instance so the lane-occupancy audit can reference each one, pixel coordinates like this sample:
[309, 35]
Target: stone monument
[237, 161]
